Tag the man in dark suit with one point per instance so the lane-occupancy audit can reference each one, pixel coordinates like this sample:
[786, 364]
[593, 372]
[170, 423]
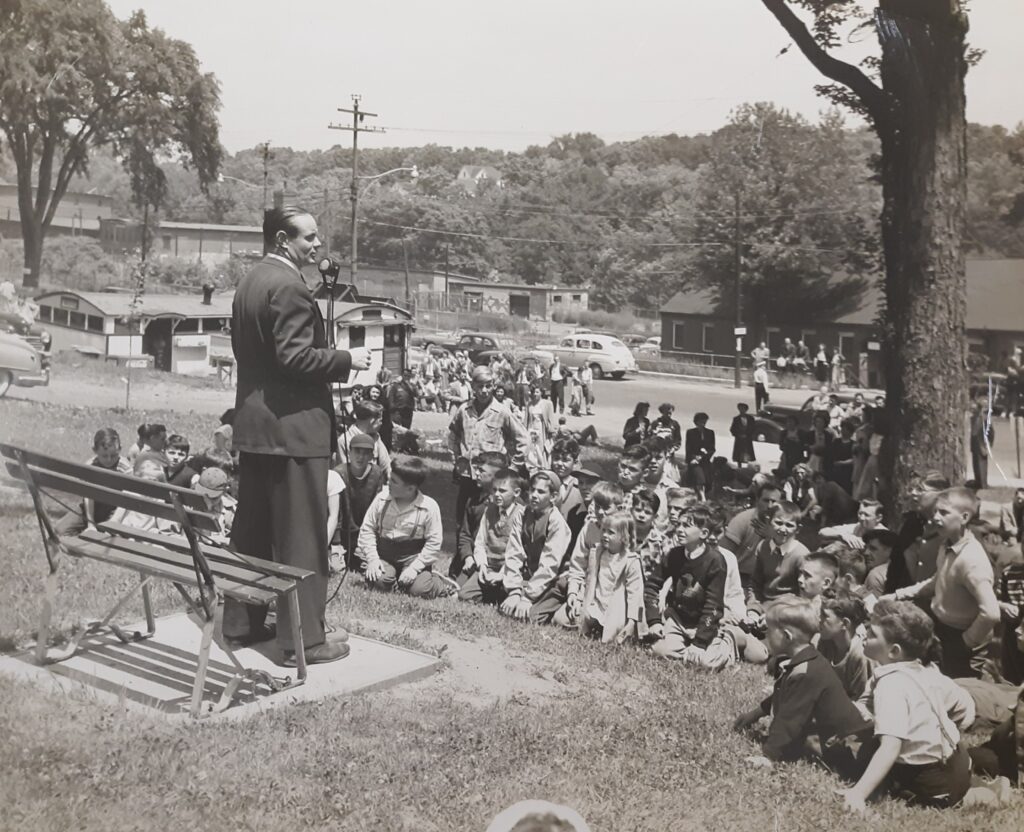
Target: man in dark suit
[699, 448]
[285, 431]
[742, 430]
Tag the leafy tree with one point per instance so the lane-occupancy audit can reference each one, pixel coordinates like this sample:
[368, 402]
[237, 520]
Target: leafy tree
[74, 78]
[808, 239]
[912, 93]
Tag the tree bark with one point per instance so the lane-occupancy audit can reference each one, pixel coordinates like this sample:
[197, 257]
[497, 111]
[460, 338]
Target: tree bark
[924, 175]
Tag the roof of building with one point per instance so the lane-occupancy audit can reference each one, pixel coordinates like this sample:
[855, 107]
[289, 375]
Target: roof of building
[526, 287]
[479, 172]
[995, 298]
[119, 304]
[208, 226]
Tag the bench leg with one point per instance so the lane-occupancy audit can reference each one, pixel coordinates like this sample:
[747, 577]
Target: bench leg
[297, 643]
[201, 666]
[45, 616]
[147, 605]
[126, 638]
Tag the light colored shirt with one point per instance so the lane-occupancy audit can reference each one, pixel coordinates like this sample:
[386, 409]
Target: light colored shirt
[550, 560]
[495, 429]
[964, 594]
[421, 518]
[735, 601]
[918, 705]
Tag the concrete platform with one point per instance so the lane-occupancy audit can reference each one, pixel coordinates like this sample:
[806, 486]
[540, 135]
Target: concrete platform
[155, 675]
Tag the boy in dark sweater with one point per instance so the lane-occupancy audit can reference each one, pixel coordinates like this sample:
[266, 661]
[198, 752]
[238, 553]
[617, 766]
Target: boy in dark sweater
[363, 480]
[808, 698]
[691, 628]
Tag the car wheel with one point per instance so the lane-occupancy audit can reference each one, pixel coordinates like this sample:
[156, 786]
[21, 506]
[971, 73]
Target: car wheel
[597, 371]
[616, 375]
[5, 382]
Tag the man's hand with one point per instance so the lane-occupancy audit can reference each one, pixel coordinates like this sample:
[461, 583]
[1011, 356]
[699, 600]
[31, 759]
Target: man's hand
[746, 719]
[1010, 612]
[853, 541]
[573, 607]
[374, 571]
[656, 631]
[755, 619]
[360, 357]
[408, 576]
[762, 528]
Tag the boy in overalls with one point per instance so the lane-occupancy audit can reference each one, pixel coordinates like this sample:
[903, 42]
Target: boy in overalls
[401, 536]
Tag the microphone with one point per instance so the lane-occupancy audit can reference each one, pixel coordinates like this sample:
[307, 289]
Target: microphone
[329, 268]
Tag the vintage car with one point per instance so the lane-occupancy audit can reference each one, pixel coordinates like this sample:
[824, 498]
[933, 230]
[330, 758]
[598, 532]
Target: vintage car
[13, 324]
[424, 338]
[21, 364]
[606, 355]
[770, 423]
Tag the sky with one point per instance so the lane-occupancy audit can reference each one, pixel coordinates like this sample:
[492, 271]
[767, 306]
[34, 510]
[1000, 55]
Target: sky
[510, 73]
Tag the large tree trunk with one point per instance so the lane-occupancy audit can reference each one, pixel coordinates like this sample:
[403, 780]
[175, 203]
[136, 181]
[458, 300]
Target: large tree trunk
[924, 147]
[32, 237]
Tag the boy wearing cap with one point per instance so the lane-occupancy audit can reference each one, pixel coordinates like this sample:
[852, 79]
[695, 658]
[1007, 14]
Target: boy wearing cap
[538, 540]
[214, 484]
[401, 536]
[363, 479]
[369, 416]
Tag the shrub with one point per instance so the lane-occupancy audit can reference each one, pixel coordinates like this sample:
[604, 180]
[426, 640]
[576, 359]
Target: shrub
[620, 322]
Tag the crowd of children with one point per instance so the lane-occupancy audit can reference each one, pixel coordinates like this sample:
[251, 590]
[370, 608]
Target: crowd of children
[863, 628]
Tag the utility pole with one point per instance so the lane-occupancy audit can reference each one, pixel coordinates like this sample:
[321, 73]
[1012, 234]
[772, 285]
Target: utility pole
[738, 255]
[327, 224]
[356, 128]
[266, 169]
[447, 248]
[405, 256]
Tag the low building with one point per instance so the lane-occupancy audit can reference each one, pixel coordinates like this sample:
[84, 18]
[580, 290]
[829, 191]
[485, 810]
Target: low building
[200, 241]
[471, 177]
[77, 213]
[694, 327]
[183, 333]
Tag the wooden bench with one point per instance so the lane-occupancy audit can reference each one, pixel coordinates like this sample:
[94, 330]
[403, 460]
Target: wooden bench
[190, 559]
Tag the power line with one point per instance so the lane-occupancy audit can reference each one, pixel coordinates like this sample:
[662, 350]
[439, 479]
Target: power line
[468, 234]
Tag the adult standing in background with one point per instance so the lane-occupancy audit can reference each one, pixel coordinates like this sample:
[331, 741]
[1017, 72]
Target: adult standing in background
[285, 432]
[557, 376]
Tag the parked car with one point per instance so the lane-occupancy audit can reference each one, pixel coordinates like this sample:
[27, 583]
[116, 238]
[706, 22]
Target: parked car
[632, 340]
[437, 338]
[651, 347]
[21, 364]
[770, 423]
[13, 324]
[606, 355]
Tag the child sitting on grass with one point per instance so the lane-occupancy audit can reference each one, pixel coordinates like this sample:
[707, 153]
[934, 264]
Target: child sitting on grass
[148, 466]
[606, 591]
[106, 453]
[538, 540]
[815, 576]
[486, 466]
[650, 542]
[401, 536]
[486, 566]
[808, 698]
[776, 563]
[916, 712]
[691, 628]
[841, 617]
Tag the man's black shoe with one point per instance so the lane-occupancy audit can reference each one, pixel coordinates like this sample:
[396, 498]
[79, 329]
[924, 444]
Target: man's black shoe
[329, 651]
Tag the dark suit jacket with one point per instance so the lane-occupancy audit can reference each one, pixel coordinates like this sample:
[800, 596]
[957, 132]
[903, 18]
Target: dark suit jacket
[283, 404]
[694, 443]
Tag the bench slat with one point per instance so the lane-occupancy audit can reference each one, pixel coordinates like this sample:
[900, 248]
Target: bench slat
[146, 566]
[234, 571]
[122, 499]
[106, 478]
[213, 554]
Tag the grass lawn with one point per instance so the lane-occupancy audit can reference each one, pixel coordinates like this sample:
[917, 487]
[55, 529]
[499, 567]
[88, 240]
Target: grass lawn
[519, 712]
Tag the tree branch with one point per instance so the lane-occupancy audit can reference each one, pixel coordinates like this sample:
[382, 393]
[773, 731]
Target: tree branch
[848, 75]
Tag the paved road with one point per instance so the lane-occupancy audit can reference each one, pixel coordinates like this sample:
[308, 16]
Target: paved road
[615, 403]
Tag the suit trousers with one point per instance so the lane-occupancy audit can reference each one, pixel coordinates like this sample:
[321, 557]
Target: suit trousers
[282, 516]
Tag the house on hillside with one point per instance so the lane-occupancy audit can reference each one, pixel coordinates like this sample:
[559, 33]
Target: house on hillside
[692, 325]
[470, 177]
